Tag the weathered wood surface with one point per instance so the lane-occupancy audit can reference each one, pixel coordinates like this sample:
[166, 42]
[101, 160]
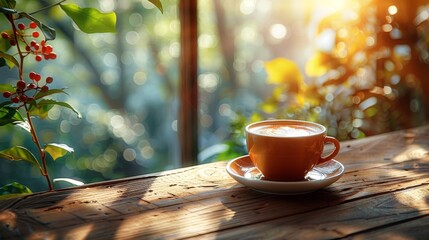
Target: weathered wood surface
[384, 194]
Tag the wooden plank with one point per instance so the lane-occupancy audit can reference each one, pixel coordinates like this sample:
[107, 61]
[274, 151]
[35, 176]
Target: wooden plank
[345, 220]
[413, 229]
[377, 150]
[221, 207]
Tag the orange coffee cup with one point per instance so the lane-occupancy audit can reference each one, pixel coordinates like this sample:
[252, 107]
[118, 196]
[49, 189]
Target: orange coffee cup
[286, 150]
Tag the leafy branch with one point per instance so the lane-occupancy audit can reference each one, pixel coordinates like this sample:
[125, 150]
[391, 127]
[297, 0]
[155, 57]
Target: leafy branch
[29, 95]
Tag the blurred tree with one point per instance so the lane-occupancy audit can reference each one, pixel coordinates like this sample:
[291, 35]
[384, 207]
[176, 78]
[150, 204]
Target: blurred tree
[367, 75]
[125, 86]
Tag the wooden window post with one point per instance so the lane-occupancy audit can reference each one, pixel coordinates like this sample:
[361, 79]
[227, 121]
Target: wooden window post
[188, 110]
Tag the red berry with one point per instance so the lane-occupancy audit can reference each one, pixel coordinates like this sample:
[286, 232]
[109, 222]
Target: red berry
[32, 75]
[12, 42]
[31, 86]
[36, 34]
[49, 80]
[23, 98]
[33, 43]
[33, 25]
[21, 26]
[38, 58]
[21, 85]
[7, 94]
[52, 55]
[48, 49]
[5, 35]
[27, 48]
[37, 77]
[15, 100]
[44, 89]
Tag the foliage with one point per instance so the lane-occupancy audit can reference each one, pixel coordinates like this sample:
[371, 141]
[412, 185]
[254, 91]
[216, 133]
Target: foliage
[361, 80]
[13, 190]
[39, 102]
[30, 96]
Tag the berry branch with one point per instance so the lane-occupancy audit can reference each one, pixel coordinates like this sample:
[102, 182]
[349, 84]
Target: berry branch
[47, 7]
[29, 93]
[25, 93]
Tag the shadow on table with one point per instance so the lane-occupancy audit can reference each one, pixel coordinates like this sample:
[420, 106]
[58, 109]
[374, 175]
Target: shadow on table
[78, 213]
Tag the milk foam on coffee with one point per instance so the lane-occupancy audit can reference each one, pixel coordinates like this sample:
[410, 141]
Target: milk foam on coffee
[284, 131]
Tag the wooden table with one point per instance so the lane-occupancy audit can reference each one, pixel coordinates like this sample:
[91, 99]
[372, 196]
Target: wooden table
[384, 194]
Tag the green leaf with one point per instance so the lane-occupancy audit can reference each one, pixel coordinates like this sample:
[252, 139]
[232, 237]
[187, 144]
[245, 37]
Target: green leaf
[6, 87]
[24, 125]
[9, 58]
[8, 3]
[7, 10]
[57, 150]
[47, 31]
[5, 44]
[6, 103]
[9, 115]
[90, 20]
[49, 92]
[19, 153]
[157, 4]
[13, 190]
[42, 108]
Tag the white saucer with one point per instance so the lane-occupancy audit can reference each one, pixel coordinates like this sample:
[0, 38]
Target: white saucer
[322, 175]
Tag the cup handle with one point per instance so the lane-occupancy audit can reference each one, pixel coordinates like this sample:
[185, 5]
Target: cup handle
[334, 153]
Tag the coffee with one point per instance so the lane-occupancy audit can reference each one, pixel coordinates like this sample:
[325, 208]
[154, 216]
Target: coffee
[286, 150]
[284, 131]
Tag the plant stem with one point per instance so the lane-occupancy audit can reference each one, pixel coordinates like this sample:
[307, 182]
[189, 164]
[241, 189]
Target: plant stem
[47, 7]
[44, 170]
[39, 147]
[21, 56]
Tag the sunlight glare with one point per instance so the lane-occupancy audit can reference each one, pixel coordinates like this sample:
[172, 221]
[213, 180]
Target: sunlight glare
[209, 82]
[343, 33]
[392, 10]
[135, 19]
[54, 114]
[368, 103]
[107, 5]
[110, 59]
[247, 7]
[147, 152]
[132, 37]
[109, 77]
[326, 40]
[370, 41]
[387, 90]
[395, 79]
[387, 27]
[278, 31]
[140, 78]
[422, 16]
[129, 154]
[65, 126]
[117, 121]
[174, 125]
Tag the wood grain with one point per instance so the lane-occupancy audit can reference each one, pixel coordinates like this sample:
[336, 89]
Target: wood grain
[384, 193]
